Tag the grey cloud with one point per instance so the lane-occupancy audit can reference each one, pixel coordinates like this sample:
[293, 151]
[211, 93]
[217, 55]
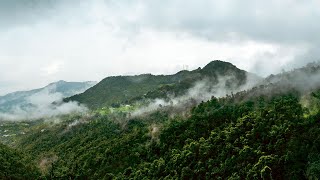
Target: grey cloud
[312, 55]
[276, 21]
[111, 37]
[16, 12]
[273, 21]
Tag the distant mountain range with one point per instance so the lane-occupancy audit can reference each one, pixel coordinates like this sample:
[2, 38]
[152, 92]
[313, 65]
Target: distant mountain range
[126, 89]
[49, 93]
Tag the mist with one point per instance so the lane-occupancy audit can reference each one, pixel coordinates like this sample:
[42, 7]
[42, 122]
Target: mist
[201, 91]
[43, 104]
[303, 80]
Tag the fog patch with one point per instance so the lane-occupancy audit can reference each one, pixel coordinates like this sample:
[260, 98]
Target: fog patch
[43, 104]
[77, 122]
[302, 79]
[201, 91]
[154, 132]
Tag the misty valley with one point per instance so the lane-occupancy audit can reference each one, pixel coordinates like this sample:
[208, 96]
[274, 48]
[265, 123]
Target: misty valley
[213, 122]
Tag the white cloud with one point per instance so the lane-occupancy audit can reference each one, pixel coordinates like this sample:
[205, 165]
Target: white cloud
[80, 40]
[52, 68]
[40, 105]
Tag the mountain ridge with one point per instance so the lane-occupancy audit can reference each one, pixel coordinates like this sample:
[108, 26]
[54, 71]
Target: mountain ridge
[118, 89]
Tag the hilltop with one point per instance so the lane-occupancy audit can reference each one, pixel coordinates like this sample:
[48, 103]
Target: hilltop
[117, 90]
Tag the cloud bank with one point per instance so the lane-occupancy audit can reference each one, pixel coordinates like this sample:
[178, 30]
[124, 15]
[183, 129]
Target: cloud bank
[40, 105]
[45, 41]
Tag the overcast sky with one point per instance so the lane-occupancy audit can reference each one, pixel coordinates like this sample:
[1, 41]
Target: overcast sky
[42, 41]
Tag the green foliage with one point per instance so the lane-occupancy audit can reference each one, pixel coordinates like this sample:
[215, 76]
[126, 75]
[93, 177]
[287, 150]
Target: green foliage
[249, 145]
[16, 165]
[261, 138]
[113, 91]
[89, 149]
[116, 90]
[257, 134]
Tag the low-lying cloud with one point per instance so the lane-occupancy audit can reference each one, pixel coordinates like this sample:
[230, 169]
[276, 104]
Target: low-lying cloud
[201, 91]
[43, 104]
[303, 80]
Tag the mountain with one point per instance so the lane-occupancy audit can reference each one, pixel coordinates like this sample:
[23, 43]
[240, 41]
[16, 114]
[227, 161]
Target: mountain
[272, 133]
[49, 94]
[125, 89]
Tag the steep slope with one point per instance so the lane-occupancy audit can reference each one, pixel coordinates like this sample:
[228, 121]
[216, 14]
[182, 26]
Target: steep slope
[60, 89]
[217, 78]
[113, 90]
[126, 89]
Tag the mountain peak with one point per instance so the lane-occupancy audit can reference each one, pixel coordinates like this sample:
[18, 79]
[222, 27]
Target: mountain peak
[221, 68]
[219, 64]
[122, 89]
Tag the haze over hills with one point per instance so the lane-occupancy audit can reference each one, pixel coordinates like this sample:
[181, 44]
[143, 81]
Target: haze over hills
[26, 101]
[125, 89]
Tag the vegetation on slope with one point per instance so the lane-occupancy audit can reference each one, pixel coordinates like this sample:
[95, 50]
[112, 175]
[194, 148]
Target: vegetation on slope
[16, 165]
[127, 89]
[260, 138]
[268, 132]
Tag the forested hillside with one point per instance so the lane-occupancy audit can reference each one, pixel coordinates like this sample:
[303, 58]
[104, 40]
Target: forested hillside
[161, 105]
[127, 89]
[16, 165]
[270, 131]
[258, 138]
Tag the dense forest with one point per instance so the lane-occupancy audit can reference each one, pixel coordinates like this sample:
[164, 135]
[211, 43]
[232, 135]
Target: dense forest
[270, 131]
[16, 165]
[260, 138]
